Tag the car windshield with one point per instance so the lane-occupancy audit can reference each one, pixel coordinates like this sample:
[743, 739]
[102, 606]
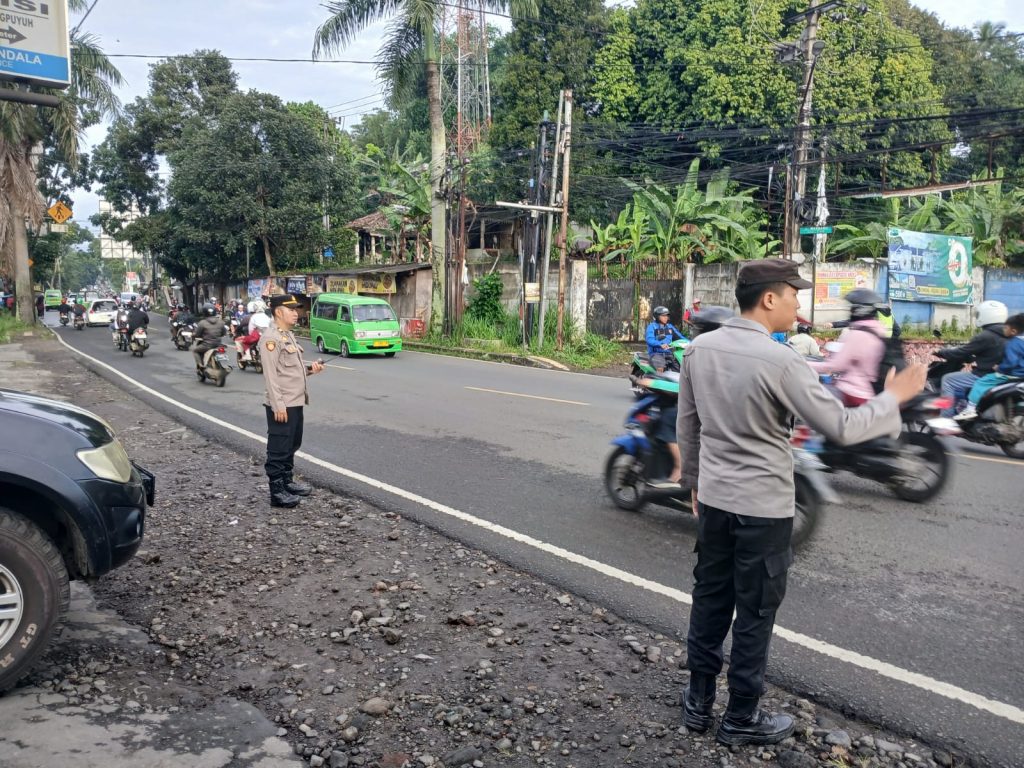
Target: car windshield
[372, 312]
[104, 306]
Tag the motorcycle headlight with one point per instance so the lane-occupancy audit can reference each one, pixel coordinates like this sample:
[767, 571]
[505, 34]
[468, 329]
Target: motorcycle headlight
[109, 462]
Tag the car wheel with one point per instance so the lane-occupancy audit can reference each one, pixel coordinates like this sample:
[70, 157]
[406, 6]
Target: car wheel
[34, 594]
[320, 346]
[344, 349]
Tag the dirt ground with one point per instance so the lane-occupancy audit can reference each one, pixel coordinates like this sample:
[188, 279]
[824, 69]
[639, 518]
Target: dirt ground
[373, 641]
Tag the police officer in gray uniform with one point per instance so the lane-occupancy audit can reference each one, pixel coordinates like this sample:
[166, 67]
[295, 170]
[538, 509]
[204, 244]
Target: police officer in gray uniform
[738, 393]
[284, 372]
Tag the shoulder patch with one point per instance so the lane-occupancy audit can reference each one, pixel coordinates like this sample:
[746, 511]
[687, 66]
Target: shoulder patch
[270, 346]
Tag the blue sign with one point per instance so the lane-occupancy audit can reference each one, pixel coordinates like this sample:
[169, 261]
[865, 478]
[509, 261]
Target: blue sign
[34, 42]
[328, 252]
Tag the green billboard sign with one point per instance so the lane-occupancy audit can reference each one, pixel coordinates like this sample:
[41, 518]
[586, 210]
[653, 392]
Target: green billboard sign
[929, 267]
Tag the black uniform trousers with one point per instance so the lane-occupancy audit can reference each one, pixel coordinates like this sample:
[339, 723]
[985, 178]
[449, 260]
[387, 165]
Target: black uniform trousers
[283, 440]
[742, 563]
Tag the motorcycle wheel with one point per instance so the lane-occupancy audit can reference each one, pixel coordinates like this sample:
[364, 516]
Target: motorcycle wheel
[241, 363]
[1016, 450]
[933, 472]
[258, 367]
[624, 486]
[201, 375]
[635, 375]
[808, 510]
[222, 378]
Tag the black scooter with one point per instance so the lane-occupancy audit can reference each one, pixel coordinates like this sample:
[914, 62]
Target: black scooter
[1000, 419]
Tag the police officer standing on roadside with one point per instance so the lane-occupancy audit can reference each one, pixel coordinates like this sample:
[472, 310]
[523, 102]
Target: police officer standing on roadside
[284, 372]
[738, 393]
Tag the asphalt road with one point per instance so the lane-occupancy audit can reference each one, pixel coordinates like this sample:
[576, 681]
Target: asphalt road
[910, 599]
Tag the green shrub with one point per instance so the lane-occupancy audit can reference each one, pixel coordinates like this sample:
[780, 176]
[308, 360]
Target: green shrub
[486, 304]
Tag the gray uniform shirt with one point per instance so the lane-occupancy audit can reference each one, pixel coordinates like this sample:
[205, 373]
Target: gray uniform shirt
[738, 392]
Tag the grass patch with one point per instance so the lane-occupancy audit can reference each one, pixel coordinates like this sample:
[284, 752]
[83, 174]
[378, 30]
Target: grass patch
[581, 349]
[10, 325]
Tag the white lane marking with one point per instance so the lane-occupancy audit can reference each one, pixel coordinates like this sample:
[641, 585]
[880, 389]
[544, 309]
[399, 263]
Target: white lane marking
[882, 668]
[531, 397]
[975, 457]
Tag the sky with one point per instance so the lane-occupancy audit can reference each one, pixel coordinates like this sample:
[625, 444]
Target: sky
[285, 29]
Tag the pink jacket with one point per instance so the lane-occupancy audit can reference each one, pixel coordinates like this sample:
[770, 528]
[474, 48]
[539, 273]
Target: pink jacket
[858, 360]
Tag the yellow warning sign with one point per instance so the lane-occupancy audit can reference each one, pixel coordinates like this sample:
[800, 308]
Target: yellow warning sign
[59, 212]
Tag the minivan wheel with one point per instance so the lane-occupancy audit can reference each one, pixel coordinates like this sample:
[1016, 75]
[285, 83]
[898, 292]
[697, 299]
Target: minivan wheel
[344, 348]
[320, 346]
[34, 594]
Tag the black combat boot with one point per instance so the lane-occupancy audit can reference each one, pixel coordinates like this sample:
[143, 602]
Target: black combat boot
[697, 700]
[280, 497]
[744, 723]
[296, 489]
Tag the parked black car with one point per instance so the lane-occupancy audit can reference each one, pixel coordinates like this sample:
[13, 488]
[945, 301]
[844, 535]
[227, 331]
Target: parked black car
[72, 506]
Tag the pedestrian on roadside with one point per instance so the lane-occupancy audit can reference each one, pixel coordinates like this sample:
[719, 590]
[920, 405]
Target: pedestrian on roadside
[738, 393]
[284, 372]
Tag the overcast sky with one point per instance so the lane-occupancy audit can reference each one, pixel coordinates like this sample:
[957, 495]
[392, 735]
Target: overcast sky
[267, 29]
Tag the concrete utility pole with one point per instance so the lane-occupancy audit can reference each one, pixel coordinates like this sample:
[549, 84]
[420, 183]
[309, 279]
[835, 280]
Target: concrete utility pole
[808, 49]
[553, 198]
[563, 234]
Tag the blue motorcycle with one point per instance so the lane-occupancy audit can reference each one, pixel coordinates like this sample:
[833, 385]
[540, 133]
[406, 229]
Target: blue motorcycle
[636, 472]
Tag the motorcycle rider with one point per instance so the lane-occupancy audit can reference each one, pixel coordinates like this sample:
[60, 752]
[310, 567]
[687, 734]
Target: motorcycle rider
[209, 332]
[858, 360]
[1012, 367]
[78, 309]
[985, 350]
[64, 310]
[803, 342]
[660, 334]
[182, 318]
[137, 317]
[120, 322]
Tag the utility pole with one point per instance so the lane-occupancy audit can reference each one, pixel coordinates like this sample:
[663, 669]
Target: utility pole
[807, 49]
[537, 194]
[552, 199]
[564, 232]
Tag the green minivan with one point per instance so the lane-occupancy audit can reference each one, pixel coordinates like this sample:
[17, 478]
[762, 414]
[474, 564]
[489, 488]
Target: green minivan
[354, 325]
[51, 299]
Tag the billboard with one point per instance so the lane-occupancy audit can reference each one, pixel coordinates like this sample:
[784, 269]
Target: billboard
[34, 42]
[929, 267]
[833, 281]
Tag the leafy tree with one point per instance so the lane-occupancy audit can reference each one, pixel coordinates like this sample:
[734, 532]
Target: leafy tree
[83, 266]
[23, 128]
[410, 48]
[616, 90]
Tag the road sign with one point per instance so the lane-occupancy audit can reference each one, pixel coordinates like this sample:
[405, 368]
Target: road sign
[815, 230]
[59, 212]
[34, 42]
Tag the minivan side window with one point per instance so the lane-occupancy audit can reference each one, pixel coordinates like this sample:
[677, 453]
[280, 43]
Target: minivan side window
[326, 311]
[345, 318]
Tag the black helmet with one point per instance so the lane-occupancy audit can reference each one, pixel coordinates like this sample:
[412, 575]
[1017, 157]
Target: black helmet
[658, 311]
[864, 303]
[803, 328]
[709, 318]
[209, 310]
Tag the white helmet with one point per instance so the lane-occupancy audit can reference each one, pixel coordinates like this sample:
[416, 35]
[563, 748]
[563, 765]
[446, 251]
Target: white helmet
[258, 305]
[989, 312]
[261, 321]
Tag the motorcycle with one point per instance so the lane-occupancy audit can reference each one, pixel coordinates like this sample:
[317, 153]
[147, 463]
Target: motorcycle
[182, 335]
[79, 322]
[915, 466]
[1000, 419]
[636, 469]
[641, 367]
[64, 318]
[215, 366]
[122, 339]
[254, 357]
[139, 342]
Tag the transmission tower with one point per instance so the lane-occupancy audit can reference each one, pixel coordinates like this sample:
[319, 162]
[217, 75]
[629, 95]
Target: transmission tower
[465, 78]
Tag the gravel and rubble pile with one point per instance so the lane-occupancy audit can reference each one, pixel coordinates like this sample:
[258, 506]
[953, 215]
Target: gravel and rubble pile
[370, 640]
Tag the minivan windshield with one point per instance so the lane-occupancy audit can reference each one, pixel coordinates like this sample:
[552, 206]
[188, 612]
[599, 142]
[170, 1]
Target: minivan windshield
[363, 313]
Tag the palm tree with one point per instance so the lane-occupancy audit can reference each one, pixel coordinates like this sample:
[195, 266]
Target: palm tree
[23, 128]
[410, 49]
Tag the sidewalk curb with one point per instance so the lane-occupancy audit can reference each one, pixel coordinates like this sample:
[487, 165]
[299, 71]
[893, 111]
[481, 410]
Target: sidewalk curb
[530, 361]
